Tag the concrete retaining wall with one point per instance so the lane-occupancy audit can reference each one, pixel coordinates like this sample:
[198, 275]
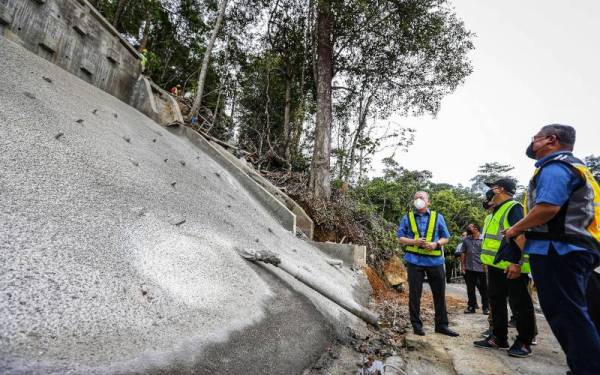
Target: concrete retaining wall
[354, 256]
[277, 209]
[73, 35]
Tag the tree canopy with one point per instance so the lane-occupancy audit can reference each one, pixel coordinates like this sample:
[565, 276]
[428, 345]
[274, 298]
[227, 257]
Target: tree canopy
[262, 83]
[593, 163]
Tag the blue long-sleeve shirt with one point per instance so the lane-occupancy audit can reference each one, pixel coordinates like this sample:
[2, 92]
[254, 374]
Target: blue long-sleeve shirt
[555, 184]
[441, 231]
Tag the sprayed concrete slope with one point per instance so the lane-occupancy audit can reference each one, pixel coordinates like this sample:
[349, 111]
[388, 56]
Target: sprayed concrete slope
[117, 245]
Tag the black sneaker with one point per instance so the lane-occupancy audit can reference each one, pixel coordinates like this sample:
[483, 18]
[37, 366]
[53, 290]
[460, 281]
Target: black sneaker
[520, 350]
[485, 311]
[486, 334]
[491, 342]
[534, 341]
[470, 310]
[418, 331]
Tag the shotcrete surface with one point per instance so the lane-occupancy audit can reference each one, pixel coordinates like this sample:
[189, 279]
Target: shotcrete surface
[117, 242]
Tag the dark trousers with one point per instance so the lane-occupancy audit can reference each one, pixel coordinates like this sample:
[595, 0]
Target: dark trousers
[500, 289]
[593, 298]
[562, 282]
[437, 282]
[477, 280]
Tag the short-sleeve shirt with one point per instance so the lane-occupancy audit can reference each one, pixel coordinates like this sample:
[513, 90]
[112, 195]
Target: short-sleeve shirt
[554, 185]
[458, 250]
[441, 231]
[471, 247]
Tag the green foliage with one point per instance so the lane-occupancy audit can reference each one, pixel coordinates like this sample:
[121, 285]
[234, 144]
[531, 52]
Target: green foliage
[593, 163]
[390, 198]
[460, 207]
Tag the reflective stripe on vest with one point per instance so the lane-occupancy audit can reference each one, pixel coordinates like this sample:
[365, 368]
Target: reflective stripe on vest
[578, 221]
[492, 237]
[431, 225]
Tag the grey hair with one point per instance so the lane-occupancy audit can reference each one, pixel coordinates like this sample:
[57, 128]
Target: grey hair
[564, 133]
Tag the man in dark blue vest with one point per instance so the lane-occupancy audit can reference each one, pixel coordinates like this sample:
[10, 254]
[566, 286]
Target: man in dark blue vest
[562, 227]
[424, 233]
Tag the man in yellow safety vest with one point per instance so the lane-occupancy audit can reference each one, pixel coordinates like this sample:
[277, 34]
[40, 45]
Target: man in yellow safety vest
[507, 270]
[562, 227]
[424, 233]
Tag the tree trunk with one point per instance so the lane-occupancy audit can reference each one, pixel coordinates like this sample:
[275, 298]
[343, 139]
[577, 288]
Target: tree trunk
[146, 35]
[233, 102]
[198, 99]
[121, 5]
[216, 114]
[362, 123]
[319, 172]
[295, 139]
[286, 123]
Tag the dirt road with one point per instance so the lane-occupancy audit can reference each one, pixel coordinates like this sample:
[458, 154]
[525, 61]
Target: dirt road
[438, 354]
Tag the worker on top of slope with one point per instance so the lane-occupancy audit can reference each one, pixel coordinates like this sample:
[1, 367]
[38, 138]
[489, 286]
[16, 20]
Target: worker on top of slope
[424, 233]
[507, 279]
[144, 59]
[562, 227]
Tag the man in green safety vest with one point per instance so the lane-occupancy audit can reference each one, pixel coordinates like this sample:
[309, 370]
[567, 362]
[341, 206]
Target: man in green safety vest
[424, 233]
[508, 270]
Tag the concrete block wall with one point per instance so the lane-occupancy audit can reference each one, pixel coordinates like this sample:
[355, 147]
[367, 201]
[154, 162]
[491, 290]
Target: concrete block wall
[73, 35]
[354, 256]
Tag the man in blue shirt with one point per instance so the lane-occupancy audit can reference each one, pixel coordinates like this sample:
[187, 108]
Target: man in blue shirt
[561, 228]
[424, 233]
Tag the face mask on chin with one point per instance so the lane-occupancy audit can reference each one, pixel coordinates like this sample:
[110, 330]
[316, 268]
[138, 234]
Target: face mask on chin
[530, 153]
[487, 203]
[419, 204]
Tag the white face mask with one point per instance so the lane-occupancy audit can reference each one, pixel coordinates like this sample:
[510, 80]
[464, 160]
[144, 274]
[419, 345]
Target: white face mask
[420, 204]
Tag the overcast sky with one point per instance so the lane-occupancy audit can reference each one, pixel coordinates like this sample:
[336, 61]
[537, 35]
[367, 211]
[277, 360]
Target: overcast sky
[535, 62]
